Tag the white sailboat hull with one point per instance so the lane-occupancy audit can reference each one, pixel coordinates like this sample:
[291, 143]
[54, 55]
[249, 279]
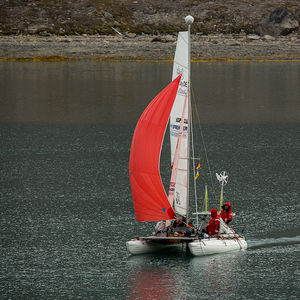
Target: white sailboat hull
[155, 244]
[215, 246]
[145, 247]
[197, 247]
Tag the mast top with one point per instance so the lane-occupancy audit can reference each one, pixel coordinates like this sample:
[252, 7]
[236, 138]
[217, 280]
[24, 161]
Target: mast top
[189, 20]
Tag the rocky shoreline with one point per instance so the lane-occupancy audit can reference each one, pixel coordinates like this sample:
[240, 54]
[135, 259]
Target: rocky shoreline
[133, 47]
[141, 30]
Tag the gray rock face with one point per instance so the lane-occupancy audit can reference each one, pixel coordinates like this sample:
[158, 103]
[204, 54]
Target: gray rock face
[253, 37]
[280, 22]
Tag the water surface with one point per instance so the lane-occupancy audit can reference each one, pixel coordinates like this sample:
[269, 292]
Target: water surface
[66, 208]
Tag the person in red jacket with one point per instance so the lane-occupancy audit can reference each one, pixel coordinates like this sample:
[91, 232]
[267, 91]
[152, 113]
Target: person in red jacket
[190, 223]
[213, 226]
[226, 213]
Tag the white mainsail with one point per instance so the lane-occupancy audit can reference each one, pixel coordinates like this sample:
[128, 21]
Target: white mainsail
[180, 66]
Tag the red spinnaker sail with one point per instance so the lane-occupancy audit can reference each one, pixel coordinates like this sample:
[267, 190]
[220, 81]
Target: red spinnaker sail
[148, 194]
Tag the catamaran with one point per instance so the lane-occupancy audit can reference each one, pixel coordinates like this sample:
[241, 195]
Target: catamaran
[151, 202]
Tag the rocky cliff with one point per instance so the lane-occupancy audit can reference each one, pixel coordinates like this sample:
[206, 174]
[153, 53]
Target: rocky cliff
[66, 17]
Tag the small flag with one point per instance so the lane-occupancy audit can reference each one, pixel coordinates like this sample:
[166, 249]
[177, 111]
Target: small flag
[197, 170]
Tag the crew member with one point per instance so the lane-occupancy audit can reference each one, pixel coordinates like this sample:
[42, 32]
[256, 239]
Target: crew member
[213, 226]
[226, 213]
[160, 227]
[177, 222]
[182, 221]
[190, 223]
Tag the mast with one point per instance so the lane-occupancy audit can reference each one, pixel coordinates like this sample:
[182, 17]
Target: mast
[189, 20]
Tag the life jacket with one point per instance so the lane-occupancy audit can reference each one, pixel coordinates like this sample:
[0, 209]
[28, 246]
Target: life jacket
[176, 222]
[214, 223]
[227, 215]
[182, 221]
[190, 224]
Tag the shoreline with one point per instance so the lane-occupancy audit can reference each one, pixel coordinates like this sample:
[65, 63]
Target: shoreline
[143, 48]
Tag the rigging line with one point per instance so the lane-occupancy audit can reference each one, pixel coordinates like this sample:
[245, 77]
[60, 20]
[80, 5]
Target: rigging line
[204, 146]
[237, 239]
[193, 155]
[205, 202]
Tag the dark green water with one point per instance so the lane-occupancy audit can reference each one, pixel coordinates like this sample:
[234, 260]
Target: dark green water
[65, 200]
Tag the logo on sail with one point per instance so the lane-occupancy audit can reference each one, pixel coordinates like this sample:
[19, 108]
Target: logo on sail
[179, 71]
[185, 121]
[172, 187]
[177, 198]
[182, 89]
[174, 128]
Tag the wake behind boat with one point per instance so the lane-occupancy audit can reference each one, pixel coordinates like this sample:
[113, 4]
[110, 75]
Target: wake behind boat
[174, 228]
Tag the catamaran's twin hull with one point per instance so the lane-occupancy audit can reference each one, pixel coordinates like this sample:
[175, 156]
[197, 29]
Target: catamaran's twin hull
[153, 244]
[198, 247]
[216, 246]
[145, 247]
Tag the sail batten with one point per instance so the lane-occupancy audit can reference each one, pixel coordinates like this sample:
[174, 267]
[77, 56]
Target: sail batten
[148, 194]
